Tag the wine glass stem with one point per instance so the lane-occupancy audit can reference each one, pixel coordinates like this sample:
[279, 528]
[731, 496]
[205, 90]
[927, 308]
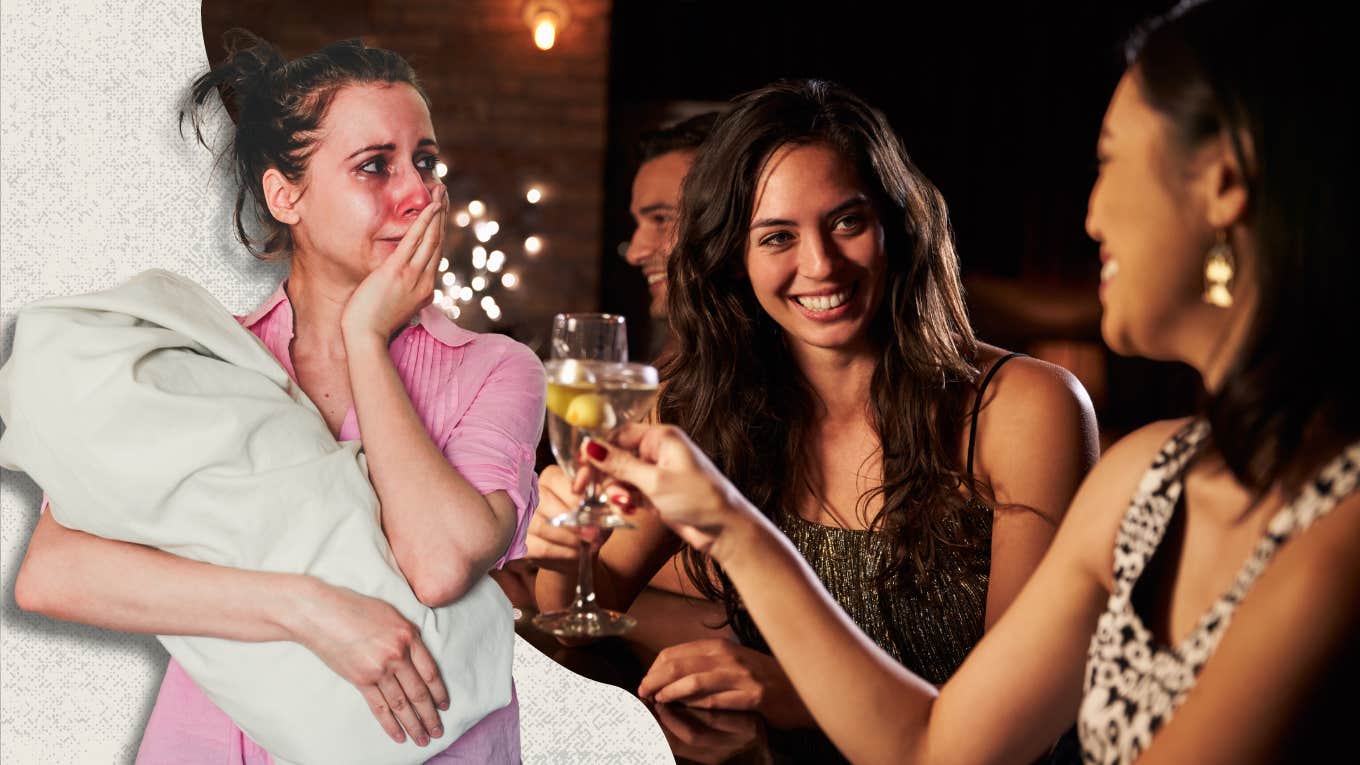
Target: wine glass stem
[585, 580]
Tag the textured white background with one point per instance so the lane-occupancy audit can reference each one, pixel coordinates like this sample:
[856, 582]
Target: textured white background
[96, 184]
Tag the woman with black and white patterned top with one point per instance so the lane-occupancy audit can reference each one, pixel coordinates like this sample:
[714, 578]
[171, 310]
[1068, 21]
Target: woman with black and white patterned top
[1201, 601]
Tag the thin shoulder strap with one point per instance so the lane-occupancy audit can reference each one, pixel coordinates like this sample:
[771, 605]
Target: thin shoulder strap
[977, 404]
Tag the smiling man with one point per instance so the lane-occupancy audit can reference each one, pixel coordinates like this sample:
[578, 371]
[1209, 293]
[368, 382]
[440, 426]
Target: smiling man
[665, 155]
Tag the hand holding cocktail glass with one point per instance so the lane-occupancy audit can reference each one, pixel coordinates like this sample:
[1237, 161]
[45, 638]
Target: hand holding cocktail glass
[592, 390]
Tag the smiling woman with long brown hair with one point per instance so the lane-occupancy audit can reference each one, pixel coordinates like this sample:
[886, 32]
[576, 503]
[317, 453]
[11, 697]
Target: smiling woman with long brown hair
[825, 359]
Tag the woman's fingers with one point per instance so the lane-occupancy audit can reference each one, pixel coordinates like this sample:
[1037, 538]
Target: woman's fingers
[422, 701]
[677, 661]
[630, 435]
[433, 235]
[429, 673]
[409, 246]
[731, 699]
[382, 712]
[584, 475]
[616, 461]
[697, 686]
[567, 539]
[402, 708]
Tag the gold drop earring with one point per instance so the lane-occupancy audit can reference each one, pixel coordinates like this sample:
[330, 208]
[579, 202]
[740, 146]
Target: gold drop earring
[1219, 269]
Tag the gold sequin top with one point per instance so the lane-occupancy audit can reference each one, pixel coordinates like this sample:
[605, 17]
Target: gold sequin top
[929, 627]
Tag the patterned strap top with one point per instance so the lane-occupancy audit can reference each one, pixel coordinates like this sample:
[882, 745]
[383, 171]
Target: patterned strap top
[1134, 685]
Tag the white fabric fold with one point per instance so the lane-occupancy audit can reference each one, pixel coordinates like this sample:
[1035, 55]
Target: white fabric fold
[149, 415]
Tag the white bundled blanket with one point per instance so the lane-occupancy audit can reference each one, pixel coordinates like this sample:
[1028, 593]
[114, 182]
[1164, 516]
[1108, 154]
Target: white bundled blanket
[149, 415]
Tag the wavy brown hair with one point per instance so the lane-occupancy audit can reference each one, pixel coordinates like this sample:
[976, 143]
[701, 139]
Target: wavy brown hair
[731, 382]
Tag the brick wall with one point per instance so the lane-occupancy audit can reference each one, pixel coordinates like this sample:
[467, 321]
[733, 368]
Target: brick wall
[507, 116]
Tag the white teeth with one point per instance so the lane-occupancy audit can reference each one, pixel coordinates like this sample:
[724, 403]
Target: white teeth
[1108, 271]
[654, 278]
[824, 302]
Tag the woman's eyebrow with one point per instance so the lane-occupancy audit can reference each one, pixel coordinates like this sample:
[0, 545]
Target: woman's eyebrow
[390, 147]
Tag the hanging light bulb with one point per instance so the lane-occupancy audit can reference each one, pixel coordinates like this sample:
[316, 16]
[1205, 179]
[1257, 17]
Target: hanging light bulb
[462, 218]
[479, 258]
[465, 295]
[440, 170]
[510, 280]
[547, 18]
[545, 31]
[533, 245]
[534, 195]
[448, 280]
[495, 261]
[476, 209]
[478, 283]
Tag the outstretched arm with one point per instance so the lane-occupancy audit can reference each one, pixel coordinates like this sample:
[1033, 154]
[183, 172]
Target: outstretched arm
[1015, 693]
[74, 576]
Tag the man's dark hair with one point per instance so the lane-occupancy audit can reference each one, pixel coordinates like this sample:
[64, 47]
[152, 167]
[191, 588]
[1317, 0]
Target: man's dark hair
[685, 135]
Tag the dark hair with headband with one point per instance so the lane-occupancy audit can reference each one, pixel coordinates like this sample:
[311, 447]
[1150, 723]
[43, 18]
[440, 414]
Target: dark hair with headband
[279, 106]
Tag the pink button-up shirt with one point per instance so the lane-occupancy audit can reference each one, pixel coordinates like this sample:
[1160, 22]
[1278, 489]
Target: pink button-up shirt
[481, 399]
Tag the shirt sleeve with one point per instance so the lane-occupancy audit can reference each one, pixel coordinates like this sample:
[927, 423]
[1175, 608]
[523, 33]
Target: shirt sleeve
[494, 444]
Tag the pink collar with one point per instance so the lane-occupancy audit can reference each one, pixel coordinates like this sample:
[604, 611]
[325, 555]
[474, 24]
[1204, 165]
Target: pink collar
[434, 321]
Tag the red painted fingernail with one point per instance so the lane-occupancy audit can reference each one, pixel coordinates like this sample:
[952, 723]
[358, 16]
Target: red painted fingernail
[596, 451]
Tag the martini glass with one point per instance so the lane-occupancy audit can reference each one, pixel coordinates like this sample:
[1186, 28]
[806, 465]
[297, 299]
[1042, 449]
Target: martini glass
[591, 399]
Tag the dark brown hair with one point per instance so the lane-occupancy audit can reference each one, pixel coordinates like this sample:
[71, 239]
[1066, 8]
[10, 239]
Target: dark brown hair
[1273, 79]
[279, 106]
[686, 135]
[731, 382]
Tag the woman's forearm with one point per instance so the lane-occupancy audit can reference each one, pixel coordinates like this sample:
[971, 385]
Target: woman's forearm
[871, 707]
[444, 533]
[74, 576]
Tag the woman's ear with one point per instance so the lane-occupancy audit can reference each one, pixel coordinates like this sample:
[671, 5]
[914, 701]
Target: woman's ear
[1225, 186]
[281, 195]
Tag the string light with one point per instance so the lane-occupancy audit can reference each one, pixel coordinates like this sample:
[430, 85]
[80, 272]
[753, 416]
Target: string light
[441, 170]
[473, 285]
